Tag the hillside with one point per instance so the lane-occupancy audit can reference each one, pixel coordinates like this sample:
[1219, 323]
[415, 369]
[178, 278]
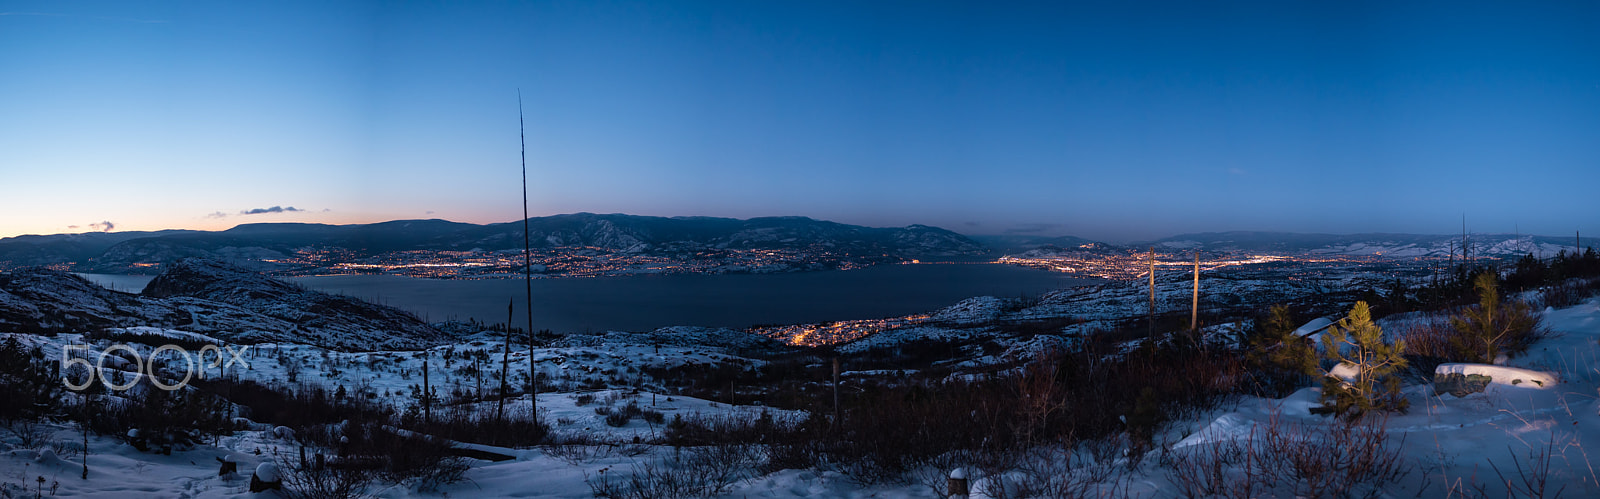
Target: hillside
[208, 298]
[1377, 244]
[256, 245]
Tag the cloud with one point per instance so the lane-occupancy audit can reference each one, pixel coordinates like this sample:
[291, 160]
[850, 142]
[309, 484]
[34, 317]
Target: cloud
[104, 18]
[105, 226]
[72, 226]
[133, 20]
[274, 209]
[430, 212]
[217, 215]
[1031, 228]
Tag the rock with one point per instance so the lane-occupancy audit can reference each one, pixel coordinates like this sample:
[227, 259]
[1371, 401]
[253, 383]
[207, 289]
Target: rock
[1459, 384]
[230, 465]
[957, 485]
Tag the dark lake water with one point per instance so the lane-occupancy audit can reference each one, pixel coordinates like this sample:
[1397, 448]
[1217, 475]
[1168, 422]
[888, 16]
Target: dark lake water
[641, 303]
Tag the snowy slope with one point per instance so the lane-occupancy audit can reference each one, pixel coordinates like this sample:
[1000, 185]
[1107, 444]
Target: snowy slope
[1446, 441]
[208, 298]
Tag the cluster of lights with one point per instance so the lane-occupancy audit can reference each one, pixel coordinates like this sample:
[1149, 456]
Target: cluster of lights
[565, 261]
[836, 332]
[1134, 265]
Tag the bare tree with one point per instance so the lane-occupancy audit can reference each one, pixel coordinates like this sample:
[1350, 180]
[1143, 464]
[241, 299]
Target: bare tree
[1152, 334]
[505, 362]
[1194, 308]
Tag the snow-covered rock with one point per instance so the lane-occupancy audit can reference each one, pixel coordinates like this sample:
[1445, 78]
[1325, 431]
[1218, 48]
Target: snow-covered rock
[1500, 375]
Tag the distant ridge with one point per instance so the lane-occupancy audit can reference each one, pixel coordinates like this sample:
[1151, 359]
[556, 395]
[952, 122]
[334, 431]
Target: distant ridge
[1373, 244]
[251, 245]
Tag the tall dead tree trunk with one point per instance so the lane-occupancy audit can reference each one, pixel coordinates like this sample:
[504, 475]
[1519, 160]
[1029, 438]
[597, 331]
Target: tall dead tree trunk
[86, 406]
[427, 390]
[505, 361]
[1152, 334]
[533, 379]
[527, 261]
[1194, 307]
[836, 420]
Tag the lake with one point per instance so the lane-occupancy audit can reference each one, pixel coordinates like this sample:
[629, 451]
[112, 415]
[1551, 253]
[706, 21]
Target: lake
[642, 303]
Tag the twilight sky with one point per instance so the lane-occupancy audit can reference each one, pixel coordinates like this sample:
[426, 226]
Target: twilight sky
[1107, 120]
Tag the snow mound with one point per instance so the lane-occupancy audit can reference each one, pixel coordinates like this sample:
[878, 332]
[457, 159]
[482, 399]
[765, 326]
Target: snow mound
[1345, 371]
[267, 472]
[1226, 428]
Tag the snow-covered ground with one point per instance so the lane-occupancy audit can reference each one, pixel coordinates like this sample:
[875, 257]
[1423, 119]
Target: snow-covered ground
[1453, 445]
[1449, 445]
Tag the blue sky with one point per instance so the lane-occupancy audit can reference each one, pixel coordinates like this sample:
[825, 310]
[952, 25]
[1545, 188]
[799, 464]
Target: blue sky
[1107, 120]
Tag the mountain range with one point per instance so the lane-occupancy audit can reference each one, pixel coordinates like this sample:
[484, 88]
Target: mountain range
[251, 244]
[616, 232]
[1375, 244]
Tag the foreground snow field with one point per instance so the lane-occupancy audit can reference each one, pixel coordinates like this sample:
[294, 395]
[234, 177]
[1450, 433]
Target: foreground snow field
[1468, 445]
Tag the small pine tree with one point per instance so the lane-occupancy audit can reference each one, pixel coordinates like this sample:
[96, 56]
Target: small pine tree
[1272, 349]
[27, 386]
[1358, 343]
[1493, 327]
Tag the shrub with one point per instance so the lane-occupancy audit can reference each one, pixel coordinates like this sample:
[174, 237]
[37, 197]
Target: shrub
[618, 419]
[1429, 342]
[1342, 458]
[653, 417]
[697, 472]
[1280, 361]
[518, 427]
[698, 430]
[311, 480]
[620, 416]
[1494, 326]
[164, 419]
[1085, 395]
[26, 384]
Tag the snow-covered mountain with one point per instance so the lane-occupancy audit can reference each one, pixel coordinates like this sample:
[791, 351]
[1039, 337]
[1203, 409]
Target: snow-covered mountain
[253, 244]
[1396, 245]
[1011, 244]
